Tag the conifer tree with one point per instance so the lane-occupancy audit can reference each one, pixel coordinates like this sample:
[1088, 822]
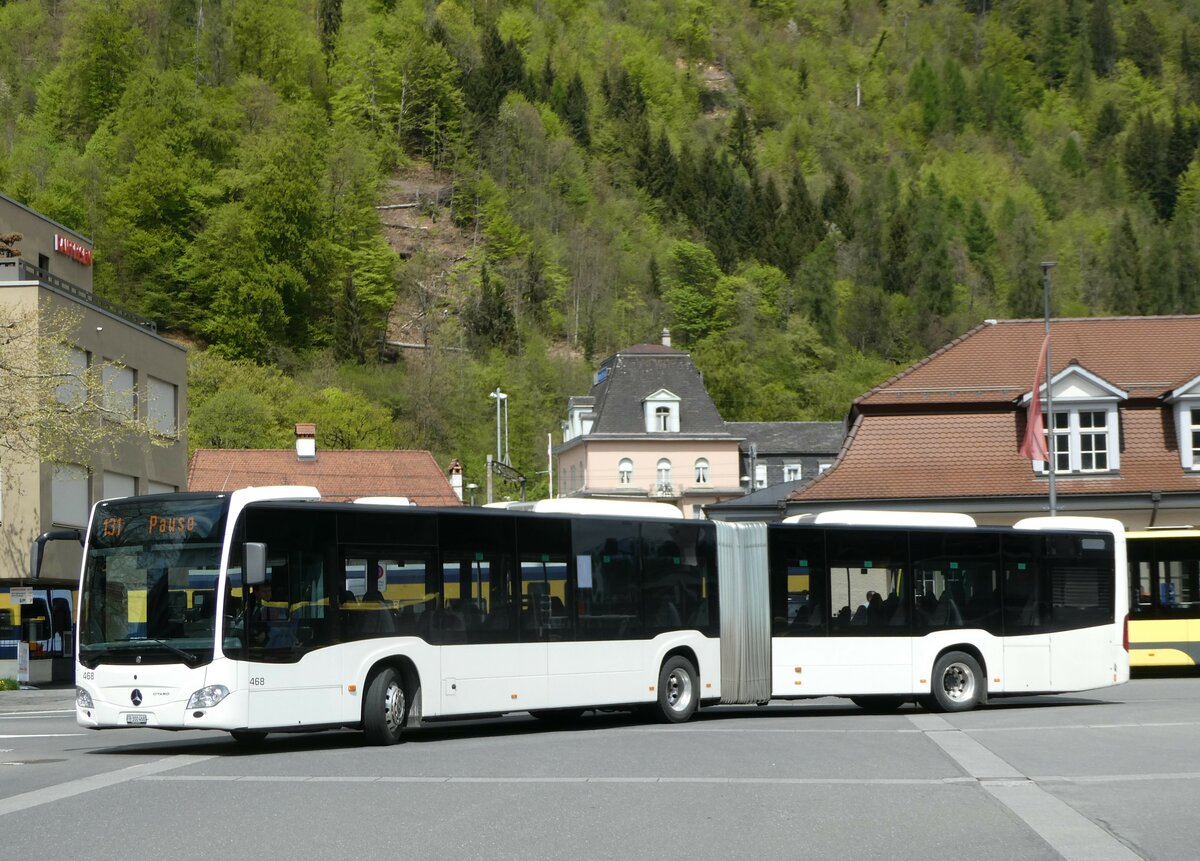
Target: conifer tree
[1142, 45]
[741, 139]
[1102, 38]
[1123, 267]
[1145, 159]
[575, 111]
[1054, 55]
[956, 96]
[837, 208]
[1189, 65]
[329, 15]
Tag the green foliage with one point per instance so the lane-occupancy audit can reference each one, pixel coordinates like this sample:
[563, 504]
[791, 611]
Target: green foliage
[9, 685]
[806, 193]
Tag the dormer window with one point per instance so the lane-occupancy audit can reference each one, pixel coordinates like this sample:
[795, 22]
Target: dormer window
[661, 411]
[1086, 430]
[1186, 402]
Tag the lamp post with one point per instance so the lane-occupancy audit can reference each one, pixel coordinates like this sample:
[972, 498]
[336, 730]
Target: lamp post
[501, 397]
[471, 488]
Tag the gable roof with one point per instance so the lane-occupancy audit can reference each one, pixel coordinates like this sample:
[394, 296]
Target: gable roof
[950, 426]
[628, 377]
[339, 475]
[995, 361]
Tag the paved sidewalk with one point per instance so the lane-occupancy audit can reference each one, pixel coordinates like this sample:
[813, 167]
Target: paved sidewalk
[49, 698]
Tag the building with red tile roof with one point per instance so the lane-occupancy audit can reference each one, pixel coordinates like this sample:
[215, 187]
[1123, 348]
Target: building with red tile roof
[338, 475]
[945, 433]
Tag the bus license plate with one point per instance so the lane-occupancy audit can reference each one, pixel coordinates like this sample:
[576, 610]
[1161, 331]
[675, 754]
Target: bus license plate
[136, 719]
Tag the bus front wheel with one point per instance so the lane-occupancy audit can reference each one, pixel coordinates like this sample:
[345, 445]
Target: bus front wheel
[384, 708]
[957, 683]
[678, 690]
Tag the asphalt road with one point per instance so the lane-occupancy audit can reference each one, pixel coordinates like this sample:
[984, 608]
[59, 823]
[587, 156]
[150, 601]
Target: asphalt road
[1111, 774]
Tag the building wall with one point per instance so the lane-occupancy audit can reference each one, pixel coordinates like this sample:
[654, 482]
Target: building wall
[599, 461]
[26, 508]
[39, 233]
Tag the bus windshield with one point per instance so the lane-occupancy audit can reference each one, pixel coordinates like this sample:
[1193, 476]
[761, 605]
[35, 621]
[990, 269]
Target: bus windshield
[149, 585]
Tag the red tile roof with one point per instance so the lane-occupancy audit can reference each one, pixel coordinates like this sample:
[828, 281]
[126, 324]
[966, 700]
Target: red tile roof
[339, 475]
[1146, 356]
[950, 425]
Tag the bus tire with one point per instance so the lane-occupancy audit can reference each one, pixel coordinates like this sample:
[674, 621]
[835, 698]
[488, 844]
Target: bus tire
[678, 690]
[385, 708]
[957, 683]
[879, 703]
[248, 736]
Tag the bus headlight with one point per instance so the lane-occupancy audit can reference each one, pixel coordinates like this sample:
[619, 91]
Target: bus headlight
[83, 700]
[206, 698]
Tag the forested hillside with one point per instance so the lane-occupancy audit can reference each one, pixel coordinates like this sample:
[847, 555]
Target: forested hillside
[809, 193]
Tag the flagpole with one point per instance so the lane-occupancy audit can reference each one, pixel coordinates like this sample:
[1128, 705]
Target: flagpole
[1050, 465]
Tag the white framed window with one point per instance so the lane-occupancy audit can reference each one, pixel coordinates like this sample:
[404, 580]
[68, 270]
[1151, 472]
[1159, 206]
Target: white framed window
[792, 472]
[1084, 441]
[120, 391]
[73, 391]
[625, 471]
[1186, 402]
[701, 470]
[69, 494]
[118, 484]
[760, 475]
[160, 487]
[663, 475]
[661, 412]
[163, 406]
[1085, 424]
[824, 465]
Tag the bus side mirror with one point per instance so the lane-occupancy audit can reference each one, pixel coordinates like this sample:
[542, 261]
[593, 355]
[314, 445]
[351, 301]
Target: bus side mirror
[254, 563]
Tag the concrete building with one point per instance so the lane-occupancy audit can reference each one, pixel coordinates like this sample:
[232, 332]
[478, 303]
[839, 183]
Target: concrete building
[146, 372]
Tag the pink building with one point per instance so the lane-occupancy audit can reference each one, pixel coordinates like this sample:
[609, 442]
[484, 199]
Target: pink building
[649, 430]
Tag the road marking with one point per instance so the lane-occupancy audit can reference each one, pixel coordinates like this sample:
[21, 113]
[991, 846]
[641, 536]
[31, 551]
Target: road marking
[38, 714]
[1068, 831]
[43, 735]
[758, 781]
[50, 794]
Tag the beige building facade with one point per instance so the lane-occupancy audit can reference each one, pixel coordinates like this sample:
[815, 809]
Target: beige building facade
[143, 372]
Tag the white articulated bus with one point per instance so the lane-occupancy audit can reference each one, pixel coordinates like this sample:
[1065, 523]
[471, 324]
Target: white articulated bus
[320, 614]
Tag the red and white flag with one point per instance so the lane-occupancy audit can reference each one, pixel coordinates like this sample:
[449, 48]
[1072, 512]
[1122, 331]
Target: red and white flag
[1033, 446]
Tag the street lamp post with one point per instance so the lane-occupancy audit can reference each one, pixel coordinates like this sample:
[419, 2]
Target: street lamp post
[499, 396]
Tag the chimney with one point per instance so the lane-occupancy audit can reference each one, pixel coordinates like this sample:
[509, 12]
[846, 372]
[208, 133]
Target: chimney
[666, 338]
[456, 472]
[306, 441]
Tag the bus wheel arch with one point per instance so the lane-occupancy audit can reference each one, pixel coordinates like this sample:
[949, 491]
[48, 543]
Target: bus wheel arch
[678, 689]
[958, 681]
[391, 700]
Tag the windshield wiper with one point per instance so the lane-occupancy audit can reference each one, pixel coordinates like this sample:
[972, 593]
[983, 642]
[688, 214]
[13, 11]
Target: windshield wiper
[187, 656]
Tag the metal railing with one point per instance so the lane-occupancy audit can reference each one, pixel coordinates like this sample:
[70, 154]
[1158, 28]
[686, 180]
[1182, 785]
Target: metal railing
[26, 271]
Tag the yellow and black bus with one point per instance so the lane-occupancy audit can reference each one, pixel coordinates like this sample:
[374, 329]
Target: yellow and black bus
[1164, 619]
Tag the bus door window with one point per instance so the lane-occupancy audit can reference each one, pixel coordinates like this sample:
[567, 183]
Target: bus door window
[799, 582]
[957, 580]
[676, 575]
[1178, 573]
[607, 586]
[867, 575]
[479, 580]
[1026, 588]
[544, 551]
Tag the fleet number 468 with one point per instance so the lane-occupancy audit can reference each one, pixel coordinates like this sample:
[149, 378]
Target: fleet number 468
[256, 681]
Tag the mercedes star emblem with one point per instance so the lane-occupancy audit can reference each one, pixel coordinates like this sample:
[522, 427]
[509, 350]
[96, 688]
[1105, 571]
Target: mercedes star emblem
[136, 697]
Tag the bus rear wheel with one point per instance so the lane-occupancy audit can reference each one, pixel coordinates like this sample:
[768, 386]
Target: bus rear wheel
[678, 690]
[384, 708]
[957, 683]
